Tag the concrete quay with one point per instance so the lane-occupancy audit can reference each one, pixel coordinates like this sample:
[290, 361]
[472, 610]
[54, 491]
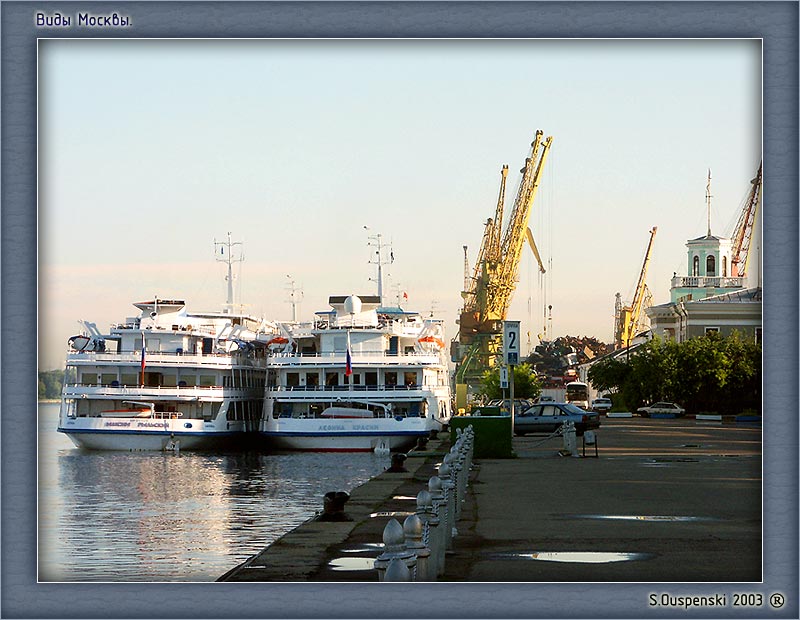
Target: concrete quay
[666, 500]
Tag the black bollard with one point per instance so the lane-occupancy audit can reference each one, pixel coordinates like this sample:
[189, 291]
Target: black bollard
[333, 506]
[398, 458]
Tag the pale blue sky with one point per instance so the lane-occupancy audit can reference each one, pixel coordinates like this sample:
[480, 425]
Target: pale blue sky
[151, 149]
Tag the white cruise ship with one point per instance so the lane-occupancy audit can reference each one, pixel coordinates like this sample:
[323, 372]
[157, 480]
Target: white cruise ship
[360, 377]
[166, 379]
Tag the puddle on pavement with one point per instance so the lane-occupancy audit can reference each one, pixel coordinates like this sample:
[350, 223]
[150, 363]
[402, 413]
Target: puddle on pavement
[352, 564]
[365, 548]
[395, 513]
[667, 461]
[655, 518]
[576, 557]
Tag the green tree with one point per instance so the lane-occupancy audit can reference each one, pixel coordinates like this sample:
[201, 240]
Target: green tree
[526, 383]
[708, 373]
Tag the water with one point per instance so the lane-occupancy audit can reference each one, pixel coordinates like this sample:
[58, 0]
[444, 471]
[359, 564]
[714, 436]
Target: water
[127, 516]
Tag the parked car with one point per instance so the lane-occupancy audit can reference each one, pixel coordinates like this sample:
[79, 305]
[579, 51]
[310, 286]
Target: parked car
[548, 417]
[601, 405]
[672, 408]
[546, 399]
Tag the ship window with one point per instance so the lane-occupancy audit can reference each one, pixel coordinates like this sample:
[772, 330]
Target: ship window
[169, 381]
[189, 380]
[371, 378]
[332, 378]
[410, 379]
[207, 380]
[107, 378]
[390, 378]
[129, 378]
[292, 379]
[696, 266]
[711, 266]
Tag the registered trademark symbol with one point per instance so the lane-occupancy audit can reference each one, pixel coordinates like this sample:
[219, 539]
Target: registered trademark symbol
[777, 600]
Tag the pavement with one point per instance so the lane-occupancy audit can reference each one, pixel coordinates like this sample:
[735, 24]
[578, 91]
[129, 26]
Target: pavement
[665, 500]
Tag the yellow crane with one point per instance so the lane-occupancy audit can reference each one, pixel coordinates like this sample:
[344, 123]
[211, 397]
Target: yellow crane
[487, 294]
[744, 228]
[627, 317]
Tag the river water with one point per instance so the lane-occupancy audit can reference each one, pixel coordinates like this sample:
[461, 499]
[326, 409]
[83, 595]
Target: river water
[127, 516]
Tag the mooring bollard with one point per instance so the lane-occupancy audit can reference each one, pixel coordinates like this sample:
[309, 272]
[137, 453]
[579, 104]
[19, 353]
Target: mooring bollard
[412, 530]
[430, 535]
[438, 506]
[333, 506]
[394, 549]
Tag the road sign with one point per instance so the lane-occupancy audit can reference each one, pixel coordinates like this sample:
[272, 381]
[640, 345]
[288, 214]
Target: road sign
[504, 377]
[511, 342]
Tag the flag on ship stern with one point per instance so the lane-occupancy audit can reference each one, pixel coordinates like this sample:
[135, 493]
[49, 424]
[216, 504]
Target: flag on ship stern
[348, 368]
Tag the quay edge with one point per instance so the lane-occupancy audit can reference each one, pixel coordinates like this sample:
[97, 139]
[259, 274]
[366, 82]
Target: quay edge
[302, 552]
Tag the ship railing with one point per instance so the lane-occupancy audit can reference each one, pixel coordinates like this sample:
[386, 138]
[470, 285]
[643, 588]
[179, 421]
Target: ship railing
[707, 282]
[77, 390]
[359, 357]
[348, 388]
[152, 357]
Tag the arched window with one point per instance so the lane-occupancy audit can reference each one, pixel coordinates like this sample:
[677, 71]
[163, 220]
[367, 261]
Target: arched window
[724, 266]
[711, 266]
[696, 266]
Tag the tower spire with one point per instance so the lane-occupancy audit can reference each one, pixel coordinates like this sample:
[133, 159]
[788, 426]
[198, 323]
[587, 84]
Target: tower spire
[708, 202]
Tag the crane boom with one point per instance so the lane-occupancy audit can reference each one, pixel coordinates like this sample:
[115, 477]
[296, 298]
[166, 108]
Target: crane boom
[629, 315]
[744, 229]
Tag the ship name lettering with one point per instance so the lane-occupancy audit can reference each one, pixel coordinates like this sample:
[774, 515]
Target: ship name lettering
[117, 424]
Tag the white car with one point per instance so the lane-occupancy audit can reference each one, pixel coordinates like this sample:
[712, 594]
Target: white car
[661, 408]
[601, 405]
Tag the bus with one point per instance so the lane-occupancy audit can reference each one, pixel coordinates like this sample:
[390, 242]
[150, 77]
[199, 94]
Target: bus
[578, 394]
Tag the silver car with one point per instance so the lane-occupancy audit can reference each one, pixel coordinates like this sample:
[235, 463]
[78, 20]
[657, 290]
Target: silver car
[548, 417]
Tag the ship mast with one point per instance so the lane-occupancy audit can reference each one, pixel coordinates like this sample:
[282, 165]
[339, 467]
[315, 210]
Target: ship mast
[227, 252]
[376, 241]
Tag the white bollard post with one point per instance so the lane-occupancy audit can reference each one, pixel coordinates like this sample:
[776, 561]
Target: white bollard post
[394, 549]
[412, 530]
[448, 488]
[429, 536]
[438, 507]
[570, 439]
[397, 571]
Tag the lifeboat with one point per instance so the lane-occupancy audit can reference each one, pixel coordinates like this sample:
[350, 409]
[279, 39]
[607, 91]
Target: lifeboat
[433, 339]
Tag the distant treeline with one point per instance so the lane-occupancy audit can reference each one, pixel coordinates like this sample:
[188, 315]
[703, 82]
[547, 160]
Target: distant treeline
[51, 382]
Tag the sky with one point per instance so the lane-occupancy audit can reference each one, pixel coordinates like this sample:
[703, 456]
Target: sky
[149, 151]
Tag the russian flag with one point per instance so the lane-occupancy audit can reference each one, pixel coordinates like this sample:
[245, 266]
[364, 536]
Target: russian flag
[348, 367]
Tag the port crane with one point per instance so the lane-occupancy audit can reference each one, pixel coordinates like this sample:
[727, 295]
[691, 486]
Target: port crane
[626, 318]
[740, 246]
[488, 291]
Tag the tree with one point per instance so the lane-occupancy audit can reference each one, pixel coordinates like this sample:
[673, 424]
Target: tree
[708, 373]
[526, 383]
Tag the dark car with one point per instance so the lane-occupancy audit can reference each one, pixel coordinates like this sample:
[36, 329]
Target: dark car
[548, 417]
[661, 408]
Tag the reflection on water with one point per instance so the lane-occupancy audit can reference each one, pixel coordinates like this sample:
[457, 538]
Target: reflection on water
[137, 516]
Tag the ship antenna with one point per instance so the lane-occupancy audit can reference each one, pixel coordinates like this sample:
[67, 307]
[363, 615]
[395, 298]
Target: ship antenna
[377, 242]
[708, 201]
[228, 258]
